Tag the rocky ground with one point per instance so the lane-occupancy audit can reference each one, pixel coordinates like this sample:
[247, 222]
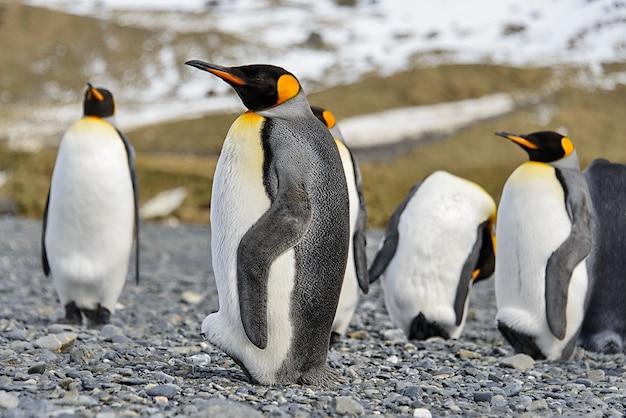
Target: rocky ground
[151, 361]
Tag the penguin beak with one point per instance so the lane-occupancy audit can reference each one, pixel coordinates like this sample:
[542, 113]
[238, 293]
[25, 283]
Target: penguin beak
[224, 73]
[93, 92]
[518, 139]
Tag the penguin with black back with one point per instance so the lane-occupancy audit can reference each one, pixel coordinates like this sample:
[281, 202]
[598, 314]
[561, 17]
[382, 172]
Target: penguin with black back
[91, 214]
[604, 326]
[356, 275]
[545, 232]
[438, 242]
[280, 230]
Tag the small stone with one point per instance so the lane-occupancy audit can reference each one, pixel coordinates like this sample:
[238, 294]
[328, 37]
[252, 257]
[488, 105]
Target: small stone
[357, 335]
[37, 368]
[109, 331]
[191, 298]
[467, 354]
[596, 375]
[200, 359]
[483, 396]
[166, 390]
[8, 401]
[161, 399]
[77, 400]
[520, 362]
[422, 413]
[56, 342]
[538, 405]
[393, 359]
[80, 355]
[512, 389]
[120, 339]
[395, 335]
[345, 405]
[224, 408]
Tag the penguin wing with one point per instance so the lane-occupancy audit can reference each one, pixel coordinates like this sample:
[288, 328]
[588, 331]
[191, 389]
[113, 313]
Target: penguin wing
[280, 228]
[359, 239]
[389, 243]
[480, 264]
[130, 152]
[571, 252]
[44, 255]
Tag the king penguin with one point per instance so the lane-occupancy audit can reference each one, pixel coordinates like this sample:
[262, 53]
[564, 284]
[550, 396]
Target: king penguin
[356, 271]
[91, 213]
[604, 326]
[438, 241]
[545, 232]
[280, 230]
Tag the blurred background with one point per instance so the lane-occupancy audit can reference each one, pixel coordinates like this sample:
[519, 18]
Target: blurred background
[415, 86]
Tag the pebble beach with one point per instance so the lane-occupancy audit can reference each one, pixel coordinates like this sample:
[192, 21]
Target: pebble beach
[151, 361]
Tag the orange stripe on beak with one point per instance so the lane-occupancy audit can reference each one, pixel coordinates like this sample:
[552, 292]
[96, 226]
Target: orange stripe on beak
[227, 76]
[523, 142]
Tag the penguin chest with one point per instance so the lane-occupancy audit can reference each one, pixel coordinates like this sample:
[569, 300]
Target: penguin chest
[239, 197]
[532, 223]
[90, 211]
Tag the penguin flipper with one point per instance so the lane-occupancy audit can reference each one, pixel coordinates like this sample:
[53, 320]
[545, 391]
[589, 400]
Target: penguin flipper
[472, 269]
[280, 228]
[44, 254]
[359, 240]
[130, 152]
[571, 252]
[389, 242]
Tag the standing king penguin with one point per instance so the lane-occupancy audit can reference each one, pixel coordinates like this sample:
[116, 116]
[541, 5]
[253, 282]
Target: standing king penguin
[545, 232]
[280, 230]
[356, 271]
[90, 214]
[604, 326]
[437, 243]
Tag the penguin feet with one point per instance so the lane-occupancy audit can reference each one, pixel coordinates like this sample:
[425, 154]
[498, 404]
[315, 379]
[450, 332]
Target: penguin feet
[72, 314]
[522, 343]
[422, 329]
[98, 316]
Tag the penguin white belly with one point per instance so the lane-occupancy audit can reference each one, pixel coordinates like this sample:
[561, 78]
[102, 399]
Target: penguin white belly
[90, 221]
[349, 295]
[238, 200]
[532, 224]
[437, 232]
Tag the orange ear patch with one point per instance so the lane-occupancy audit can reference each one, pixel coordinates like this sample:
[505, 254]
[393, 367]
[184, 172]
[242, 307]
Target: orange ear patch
[567, 146]
[329, 118]
[288, 87]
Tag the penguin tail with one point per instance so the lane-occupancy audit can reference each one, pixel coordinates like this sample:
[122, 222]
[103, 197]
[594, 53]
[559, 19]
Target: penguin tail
[607, 342]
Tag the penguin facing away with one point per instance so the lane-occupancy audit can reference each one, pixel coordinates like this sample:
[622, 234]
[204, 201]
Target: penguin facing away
[545, 233]
[604, 326]
[280, 231]
[438, 241]
[356, 271]
[90, 213]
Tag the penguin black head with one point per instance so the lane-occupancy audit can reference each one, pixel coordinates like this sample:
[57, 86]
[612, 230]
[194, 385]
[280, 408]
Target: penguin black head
[325, 116]
[544, 146]
[259, 86]
[98, 102]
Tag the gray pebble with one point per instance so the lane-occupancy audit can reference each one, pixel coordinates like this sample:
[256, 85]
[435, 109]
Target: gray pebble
[7, 400]
[345, 405]
[483, 396]
[168, 390]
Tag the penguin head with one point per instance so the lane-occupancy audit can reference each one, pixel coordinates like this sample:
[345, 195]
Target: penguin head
[259, 86]
[98, 102]
[329, 120]
[544, 146]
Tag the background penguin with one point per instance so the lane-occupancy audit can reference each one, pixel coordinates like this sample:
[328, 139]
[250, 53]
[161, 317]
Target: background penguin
[90, 213]
[356, 271]
[437, 242]
[604, 326]
[545, 231]
[279, 231]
